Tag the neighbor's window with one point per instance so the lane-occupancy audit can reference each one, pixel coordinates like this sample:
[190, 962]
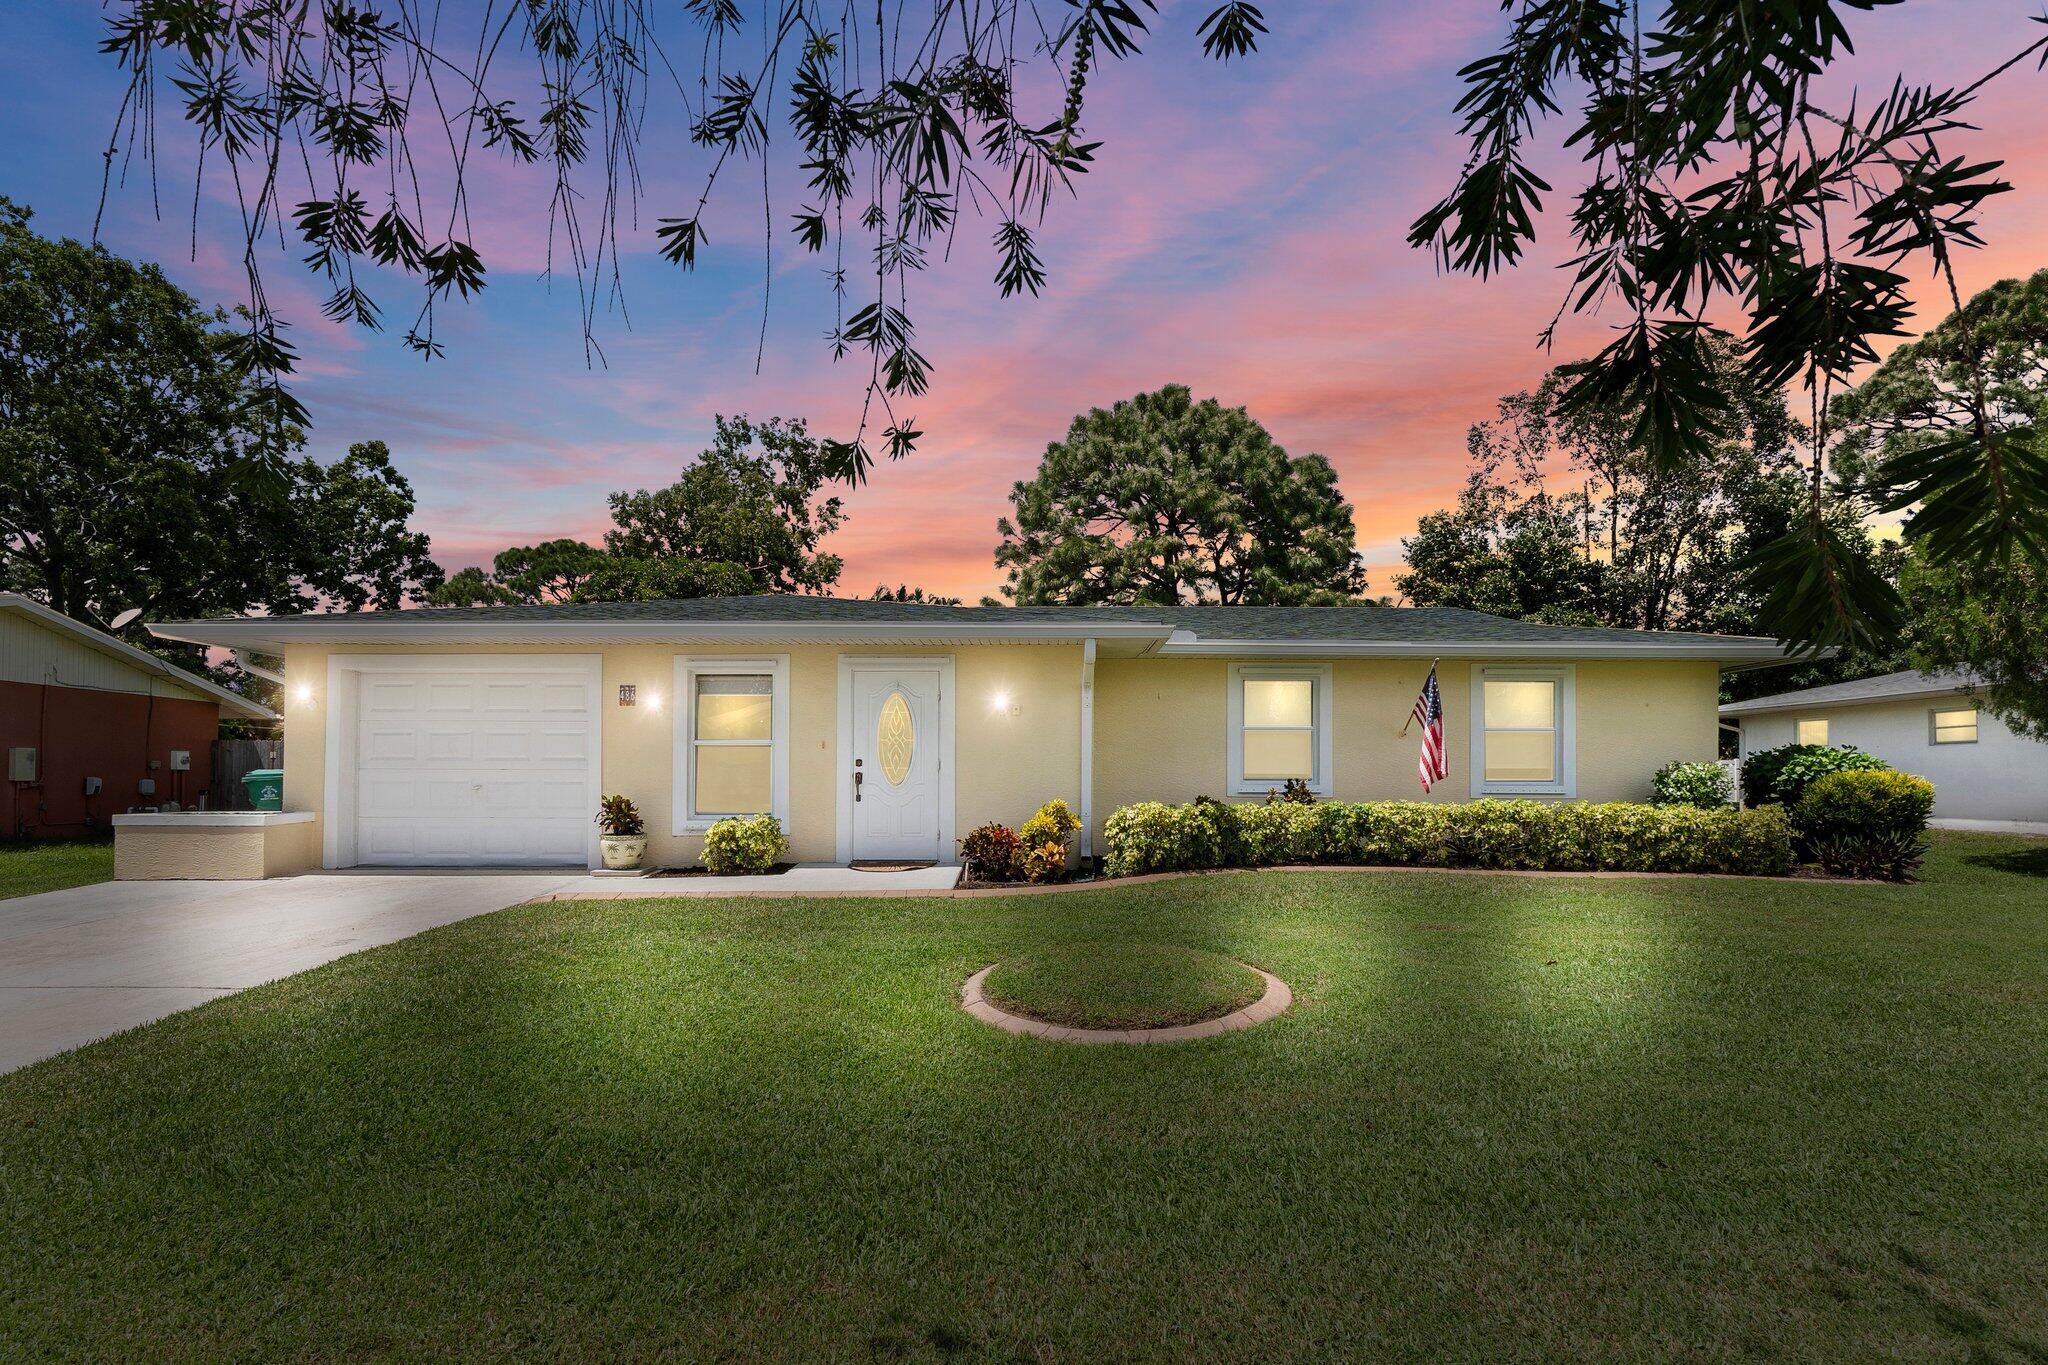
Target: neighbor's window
[1280, 727]
[1954, 727]
[1810, 732]
[731, 755]
[1523, 723]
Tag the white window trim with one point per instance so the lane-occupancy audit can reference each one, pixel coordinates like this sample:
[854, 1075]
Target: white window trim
[1566, 678]
[1934, 729]
[1321, 675]
[688, 669]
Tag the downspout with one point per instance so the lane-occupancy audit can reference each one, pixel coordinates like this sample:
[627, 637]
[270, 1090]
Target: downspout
[1087, 750]
[249, 665]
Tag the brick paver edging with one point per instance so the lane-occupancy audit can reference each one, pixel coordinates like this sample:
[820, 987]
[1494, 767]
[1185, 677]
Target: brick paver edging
[1274, 1002]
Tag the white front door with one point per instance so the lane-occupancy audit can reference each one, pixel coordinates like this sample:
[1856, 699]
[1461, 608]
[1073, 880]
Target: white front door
[897, 751]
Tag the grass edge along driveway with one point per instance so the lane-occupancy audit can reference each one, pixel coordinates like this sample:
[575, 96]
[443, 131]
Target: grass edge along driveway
[1507, 1118]
[31, 866]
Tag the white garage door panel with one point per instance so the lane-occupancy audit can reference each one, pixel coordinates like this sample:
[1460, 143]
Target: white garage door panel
[458, 769]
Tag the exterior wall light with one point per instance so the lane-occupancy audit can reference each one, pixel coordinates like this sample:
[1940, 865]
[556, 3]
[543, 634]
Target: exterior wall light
[1000, 702]
[303, 694]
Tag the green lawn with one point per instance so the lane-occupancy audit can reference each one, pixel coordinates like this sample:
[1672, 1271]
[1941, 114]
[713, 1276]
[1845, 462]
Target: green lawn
[1506, 1118]
[1111, 982]
[29, 866]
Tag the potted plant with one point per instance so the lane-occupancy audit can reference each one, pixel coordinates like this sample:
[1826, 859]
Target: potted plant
[623, 834]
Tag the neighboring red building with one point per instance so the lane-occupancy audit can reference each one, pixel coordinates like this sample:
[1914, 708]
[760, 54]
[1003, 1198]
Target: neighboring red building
[78, 706]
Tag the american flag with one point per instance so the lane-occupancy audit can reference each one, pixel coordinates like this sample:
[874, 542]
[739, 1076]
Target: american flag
[1429, 709]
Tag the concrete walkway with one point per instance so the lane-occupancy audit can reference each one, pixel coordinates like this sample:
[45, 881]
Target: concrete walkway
[79, 964]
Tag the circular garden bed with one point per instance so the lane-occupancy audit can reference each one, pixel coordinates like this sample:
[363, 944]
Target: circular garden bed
[1123, 992]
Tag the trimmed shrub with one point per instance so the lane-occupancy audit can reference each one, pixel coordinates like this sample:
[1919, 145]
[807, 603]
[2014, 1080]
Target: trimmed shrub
[1704, 785]
[1215, 824]
[1155, 837]
[1863, 823]
[1781, 774]
[1404, 834]
[1046, 862]
[1052, 824]
[992, 853]
[744, 843]
[1803, 769]
[1279, 832]
[1531, 835]
[1043, 856]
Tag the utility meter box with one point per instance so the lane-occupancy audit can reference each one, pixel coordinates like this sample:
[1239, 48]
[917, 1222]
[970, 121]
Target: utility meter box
[21, 764]
[181, 760]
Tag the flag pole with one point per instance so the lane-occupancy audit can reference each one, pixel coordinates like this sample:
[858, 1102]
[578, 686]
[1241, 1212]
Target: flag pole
[1411, 710]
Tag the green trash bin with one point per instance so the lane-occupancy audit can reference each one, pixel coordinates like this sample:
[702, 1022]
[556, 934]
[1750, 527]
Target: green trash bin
[265, 787]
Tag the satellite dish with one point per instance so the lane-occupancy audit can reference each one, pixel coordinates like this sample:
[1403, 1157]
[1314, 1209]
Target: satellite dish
[124, 618]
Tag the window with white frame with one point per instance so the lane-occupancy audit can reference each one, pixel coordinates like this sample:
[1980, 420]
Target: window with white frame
[1810, 732]
[1522, 731]
[1953, 727]
[732, 740]
[1279, 718]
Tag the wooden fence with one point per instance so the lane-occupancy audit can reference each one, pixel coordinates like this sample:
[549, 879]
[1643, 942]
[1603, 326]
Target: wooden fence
[232, 760]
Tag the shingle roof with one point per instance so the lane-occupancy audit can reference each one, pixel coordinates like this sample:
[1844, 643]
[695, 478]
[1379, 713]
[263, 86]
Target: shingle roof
[1887, 687]
[1363, 630]
[1420, 625]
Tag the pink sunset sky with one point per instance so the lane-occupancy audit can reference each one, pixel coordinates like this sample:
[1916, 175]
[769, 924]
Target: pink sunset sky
[1244, 234]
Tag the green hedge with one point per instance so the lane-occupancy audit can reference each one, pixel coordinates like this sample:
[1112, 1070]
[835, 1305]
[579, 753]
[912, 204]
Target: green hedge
[1570, 836]
[1866, 823]
[1781, 774]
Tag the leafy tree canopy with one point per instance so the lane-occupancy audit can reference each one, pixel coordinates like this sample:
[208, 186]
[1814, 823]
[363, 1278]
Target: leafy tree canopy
[901, 593]
[1989, 621]
[125, 425]
[1720, 182]
[1990, 616]
[747, 516]
[353, 129]
[1568, 518]
[1164, 499]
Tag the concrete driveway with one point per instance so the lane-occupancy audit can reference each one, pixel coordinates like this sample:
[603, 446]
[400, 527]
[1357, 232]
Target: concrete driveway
[80, 964]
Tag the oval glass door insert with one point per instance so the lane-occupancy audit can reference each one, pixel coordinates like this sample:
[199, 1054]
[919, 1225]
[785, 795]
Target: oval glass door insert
[895, 739]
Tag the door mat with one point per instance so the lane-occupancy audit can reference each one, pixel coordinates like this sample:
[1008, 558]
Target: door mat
[878, 865]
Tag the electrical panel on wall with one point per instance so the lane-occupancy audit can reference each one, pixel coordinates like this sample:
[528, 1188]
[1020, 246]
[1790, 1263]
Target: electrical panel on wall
[181, 760]
[21, 765]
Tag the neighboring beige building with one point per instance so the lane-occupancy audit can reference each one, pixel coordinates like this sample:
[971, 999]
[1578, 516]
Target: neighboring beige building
[885, 730]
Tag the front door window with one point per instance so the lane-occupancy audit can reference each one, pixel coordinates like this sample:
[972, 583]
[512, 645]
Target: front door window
[895, 739]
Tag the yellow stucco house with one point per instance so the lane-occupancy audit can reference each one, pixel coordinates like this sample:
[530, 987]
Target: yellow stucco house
[885, 730]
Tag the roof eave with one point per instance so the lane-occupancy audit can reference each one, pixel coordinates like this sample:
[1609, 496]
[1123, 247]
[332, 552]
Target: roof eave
[274, 634]
[1762, 706]
[1728, 653]
[139, 659]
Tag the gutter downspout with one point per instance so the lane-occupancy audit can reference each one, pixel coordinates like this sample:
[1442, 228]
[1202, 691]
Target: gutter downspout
[246, 658]
[1087, 749]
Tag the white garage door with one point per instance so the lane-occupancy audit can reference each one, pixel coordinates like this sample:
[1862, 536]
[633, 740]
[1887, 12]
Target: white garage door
[481, 768]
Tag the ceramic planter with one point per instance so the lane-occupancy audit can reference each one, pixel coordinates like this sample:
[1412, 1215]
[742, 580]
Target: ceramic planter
[622, 852]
